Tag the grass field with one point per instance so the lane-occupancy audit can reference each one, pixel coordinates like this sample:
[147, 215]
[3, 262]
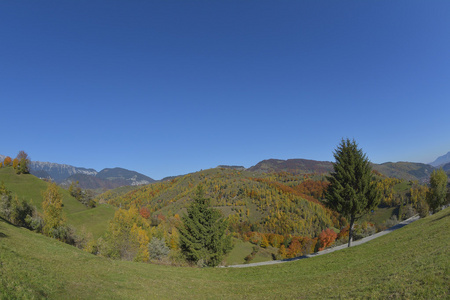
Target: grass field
[94, 220]
[379, 215]
[412, 262]
[30, 188]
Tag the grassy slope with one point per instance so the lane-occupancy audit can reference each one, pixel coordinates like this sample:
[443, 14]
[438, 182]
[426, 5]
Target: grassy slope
[95, 220]
[412, 262]
[30, 188]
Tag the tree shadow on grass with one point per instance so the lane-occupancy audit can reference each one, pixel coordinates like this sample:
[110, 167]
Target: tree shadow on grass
[442, 217]
[2, 235]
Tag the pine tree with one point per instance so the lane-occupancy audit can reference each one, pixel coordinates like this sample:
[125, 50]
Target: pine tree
[202, 234]
[351, 191]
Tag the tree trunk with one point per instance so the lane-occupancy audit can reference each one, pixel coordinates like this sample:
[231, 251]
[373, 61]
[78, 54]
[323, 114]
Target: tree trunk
[350, 231]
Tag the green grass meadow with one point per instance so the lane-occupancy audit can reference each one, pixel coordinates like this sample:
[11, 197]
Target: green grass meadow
[412, 262]
[30, 188]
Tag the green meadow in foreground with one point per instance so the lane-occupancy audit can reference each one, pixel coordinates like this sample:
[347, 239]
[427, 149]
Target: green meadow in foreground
[412, 262]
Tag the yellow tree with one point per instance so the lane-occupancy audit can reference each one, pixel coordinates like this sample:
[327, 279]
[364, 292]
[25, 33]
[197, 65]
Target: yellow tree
[15, 163]
[53, 211]
[141, 240]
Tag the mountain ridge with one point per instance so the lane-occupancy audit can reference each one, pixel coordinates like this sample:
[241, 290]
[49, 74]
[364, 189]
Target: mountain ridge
[441, 160]
[88, 178]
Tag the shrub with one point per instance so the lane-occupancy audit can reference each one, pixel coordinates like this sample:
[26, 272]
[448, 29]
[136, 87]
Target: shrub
[14, 210]
[158, 248]
[35, 222]
[327, 238]
[391, 222]
[423, 208]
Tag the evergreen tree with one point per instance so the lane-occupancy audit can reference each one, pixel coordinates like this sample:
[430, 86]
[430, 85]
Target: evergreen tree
[202, 234]
[438, 190]
[351, 191]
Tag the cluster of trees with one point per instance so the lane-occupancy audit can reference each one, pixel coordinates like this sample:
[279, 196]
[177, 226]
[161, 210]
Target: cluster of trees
[50, 223]
[199, 237]
[21, 163]
[13, 209]
[86, 197]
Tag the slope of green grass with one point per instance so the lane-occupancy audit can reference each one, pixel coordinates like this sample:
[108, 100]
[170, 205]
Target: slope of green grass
[30, 188]
[412, 262]
[94, 220]
[379, 215]
[240, 250]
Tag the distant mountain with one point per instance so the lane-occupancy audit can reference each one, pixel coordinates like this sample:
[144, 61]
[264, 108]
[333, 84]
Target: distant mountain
[446, 168]
[131, 177]
[41, 174]
[401, 170]
[295, 166]
[88, 178]
[405, 170]
[238, 168]
[441, 160]
[93, 182]
[58, 172]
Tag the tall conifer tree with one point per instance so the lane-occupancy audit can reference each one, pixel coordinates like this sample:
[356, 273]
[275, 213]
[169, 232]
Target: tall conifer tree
[351, 191]
[202, 234]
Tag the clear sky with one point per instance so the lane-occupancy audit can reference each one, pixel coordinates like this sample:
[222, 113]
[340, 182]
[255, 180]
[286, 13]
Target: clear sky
[171, 87]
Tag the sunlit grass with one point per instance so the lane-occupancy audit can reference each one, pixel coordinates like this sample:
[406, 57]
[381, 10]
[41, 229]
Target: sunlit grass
[411, 262]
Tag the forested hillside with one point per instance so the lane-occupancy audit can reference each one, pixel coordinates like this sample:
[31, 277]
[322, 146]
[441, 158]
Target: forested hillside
[271, 203]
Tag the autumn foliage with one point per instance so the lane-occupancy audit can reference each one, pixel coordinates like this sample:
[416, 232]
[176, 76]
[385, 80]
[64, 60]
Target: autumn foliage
[313, 188]
[144, 212]
[7, 161]
[327, 238]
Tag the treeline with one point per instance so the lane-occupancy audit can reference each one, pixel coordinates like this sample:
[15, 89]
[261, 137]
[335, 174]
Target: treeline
[21, 163]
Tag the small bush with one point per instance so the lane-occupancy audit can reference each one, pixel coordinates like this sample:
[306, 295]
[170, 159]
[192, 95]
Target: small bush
[158, 248]
[423, 208]
[35, 222]
[391, 222]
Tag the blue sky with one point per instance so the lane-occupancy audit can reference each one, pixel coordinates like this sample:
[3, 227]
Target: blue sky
[171, 87]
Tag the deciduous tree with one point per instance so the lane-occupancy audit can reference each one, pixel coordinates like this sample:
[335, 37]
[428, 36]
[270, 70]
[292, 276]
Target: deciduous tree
[351, 191]
[24, 163]
[438, 190]
[15, 163]
[327, 238]
[7, 161]
[53, 211]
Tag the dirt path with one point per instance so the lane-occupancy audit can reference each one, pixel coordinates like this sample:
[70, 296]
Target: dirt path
[329, 250]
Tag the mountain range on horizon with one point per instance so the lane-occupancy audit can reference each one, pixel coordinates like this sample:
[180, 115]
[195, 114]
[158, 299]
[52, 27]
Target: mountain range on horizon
[110, 178]
[441, 160]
